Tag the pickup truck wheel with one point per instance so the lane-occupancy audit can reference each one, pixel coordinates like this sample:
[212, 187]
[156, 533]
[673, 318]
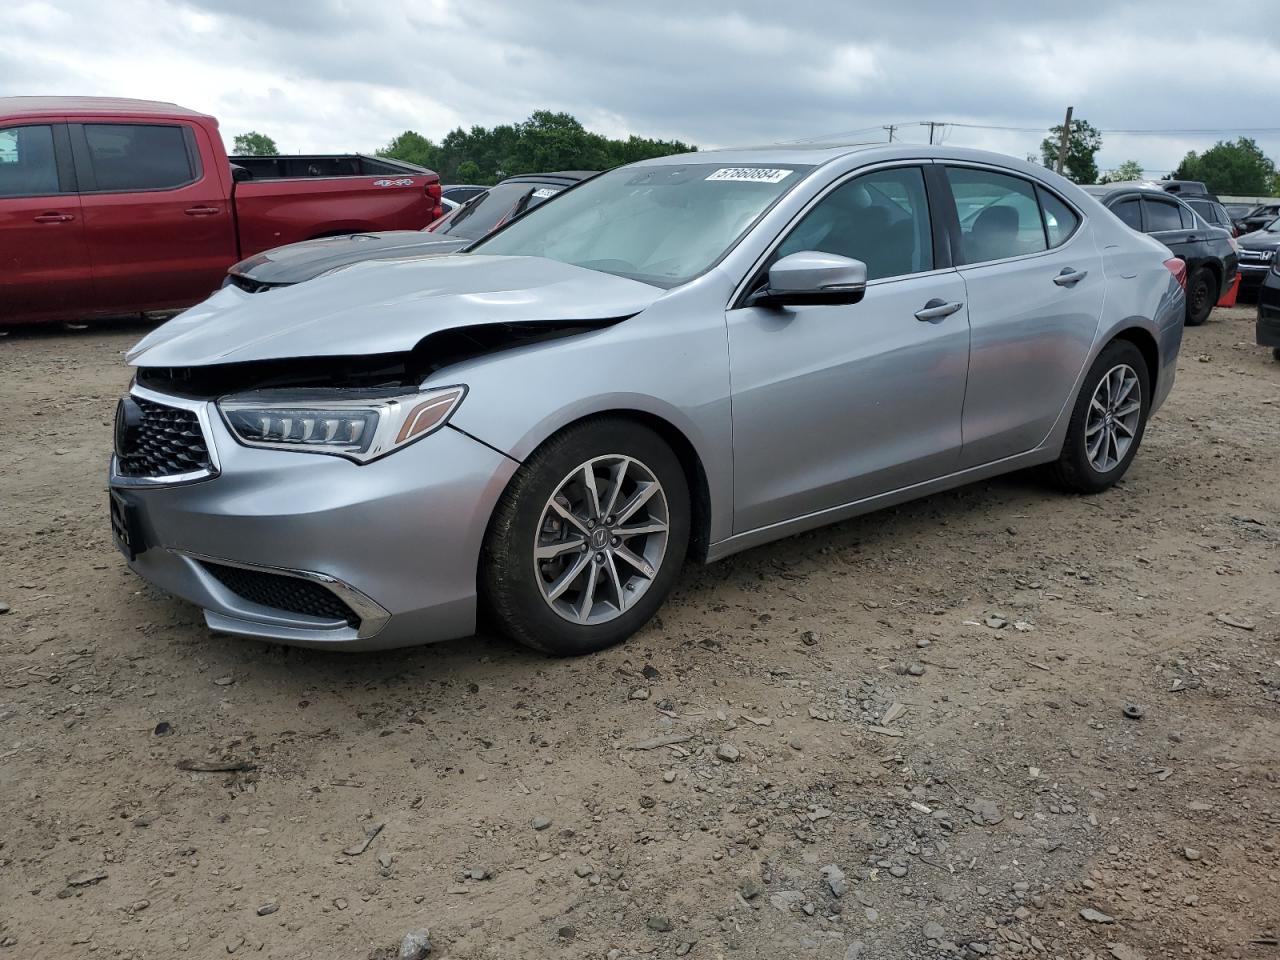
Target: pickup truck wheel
[1200, 296]
[1107, 422]
[588, 538]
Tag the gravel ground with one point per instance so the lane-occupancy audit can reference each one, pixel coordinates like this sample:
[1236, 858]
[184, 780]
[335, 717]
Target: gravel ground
[903, 736]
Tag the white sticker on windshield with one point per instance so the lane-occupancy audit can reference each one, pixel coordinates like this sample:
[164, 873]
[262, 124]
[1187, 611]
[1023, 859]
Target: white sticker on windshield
[543, 192]
[751, 174]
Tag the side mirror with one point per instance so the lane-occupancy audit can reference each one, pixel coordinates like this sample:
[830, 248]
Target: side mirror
[810, 277]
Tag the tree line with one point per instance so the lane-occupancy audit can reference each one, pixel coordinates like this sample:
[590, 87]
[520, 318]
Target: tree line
[557, 141]
[545, 142]
[1230, 167]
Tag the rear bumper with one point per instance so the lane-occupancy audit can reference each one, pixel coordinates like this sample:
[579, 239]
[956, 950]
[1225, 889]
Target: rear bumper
[396, 542]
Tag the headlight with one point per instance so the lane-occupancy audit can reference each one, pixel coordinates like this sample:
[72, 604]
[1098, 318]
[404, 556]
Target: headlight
[361, 424]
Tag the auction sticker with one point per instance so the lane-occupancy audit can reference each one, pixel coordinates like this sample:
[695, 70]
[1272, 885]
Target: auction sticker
[542, 193]
[751, 174]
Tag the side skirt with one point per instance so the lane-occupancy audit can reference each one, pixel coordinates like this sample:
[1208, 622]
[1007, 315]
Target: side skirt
[822, 518]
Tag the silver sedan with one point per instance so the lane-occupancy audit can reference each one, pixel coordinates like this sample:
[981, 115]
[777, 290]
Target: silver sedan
[680, 358]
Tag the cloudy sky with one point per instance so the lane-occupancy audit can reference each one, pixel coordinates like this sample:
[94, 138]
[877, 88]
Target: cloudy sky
[345, 75]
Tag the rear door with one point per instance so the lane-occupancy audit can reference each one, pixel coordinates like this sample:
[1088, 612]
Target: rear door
[44, 263]
[1035, 287]
[160, 231]
[833, 404]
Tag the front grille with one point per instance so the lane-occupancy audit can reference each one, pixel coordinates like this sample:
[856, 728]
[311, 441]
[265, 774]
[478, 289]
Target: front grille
[276, 590]
[154, 440]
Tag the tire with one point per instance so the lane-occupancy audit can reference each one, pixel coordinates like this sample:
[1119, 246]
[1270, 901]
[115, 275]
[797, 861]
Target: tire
[546, 507]
[1275, 354]
[1076, 469]
[1200, 296]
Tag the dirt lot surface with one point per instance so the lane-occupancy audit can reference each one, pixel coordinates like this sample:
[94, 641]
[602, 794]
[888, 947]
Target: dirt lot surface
[899, 737]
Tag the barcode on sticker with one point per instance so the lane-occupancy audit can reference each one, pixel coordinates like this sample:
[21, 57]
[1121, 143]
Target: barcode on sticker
[543, 192]
[750, 174]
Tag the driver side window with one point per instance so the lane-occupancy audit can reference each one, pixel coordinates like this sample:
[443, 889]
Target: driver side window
[880, 218]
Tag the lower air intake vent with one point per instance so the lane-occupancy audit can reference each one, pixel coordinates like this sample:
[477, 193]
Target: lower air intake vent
[276, 590]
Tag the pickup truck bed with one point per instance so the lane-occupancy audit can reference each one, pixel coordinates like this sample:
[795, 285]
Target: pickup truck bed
[110, 207]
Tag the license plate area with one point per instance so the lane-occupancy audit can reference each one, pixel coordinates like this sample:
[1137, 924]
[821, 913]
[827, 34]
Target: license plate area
[125, 532]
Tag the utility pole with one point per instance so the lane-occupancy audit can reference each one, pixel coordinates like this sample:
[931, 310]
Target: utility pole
[932, 125]
[891, 127]
[1062, 144]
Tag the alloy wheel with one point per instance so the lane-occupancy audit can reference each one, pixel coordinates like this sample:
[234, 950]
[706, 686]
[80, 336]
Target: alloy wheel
[601, 539]
[1114, 415]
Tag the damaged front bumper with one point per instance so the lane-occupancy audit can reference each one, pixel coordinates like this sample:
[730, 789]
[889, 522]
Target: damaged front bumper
[314, 550]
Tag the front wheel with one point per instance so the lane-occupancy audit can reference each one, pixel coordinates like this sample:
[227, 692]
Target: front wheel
[588, 538]
[1200, 296]
[1107, 422]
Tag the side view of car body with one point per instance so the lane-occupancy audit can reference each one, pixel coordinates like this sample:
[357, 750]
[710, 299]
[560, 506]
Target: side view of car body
[481, 213]
[684, 357]
[1209, 252]
[112, 206]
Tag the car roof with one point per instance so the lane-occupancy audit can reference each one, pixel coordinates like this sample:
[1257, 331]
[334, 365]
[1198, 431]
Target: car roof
[818, 154]
[87, 106]
[1136, 186]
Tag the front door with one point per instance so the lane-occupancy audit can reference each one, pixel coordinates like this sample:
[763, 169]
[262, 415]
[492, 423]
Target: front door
[44, 263]
[833, 404]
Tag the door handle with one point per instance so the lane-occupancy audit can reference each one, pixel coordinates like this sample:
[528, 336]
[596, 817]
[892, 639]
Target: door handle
[1069, 277]
[54, 218]
[201, 211]
[937, 309]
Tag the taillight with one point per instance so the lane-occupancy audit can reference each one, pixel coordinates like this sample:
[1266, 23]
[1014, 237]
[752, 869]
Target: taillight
[433, 191]
[1178, 267]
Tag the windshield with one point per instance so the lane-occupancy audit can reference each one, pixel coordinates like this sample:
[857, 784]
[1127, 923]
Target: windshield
[659, 223]
[491, 209]
[1273, 226]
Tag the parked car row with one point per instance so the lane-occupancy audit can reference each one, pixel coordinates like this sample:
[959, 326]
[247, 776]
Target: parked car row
[684, 357]
[121, 206]
[1209, 252]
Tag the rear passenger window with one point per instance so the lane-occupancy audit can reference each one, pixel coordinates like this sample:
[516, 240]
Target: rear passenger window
[1130, 211]
[27, 167]
[1188, 218]
[1162, 215]
[999, 215]
[879, 218]
[137, 156]
[1060, 221]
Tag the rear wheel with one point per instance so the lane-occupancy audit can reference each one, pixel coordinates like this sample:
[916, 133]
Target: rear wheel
[588, 539]
[1200, 296]
[1107, 422]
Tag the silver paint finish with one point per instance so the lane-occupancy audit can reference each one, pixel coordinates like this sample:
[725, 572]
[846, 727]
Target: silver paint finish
[797, 416]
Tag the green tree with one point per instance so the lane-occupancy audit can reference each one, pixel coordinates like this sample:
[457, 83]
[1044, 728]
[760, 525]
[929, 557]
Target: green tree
[1127, 171]
[413, 147]
[1236, 169]
[254, 144]
[547, 141]
[1083, 143]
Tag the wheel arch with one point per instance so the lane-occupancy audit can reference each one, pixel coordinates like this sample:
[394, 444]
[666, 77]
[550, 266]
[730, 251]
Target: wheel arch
[691, 462]
[1143, 339]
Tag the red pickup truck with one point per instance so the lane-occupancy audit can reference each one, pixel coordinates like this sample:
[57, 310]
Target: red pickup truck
[120, 206]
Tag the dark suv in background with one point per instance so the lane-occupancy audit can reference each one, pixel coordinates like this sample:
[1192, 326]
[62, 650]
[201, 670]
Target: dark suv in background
[1209, 251]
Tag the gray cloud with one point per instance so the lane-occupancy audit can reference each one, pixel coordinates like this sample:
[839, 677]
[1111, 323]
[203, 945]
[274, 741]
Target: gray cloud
[341, 75]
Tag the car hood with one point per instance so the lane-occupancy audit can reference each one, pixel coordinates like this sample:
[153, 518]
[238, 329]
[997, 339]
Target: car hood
[387, 306]
[296, 262]
[1260, 240]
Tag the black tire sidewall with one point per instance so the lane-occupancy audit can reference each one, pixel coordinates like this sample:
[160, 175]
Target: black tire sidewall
[1201, 277]
[508, 577]
[1074, 465]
